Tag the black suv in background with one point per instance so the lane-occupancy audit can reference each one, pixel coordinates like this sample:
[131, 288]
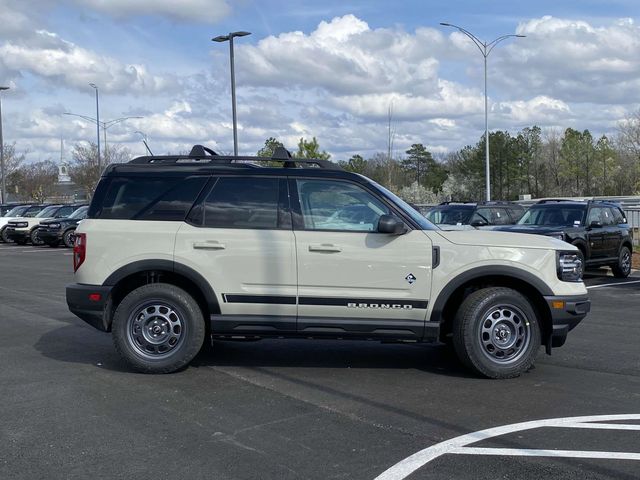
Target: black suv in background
[476, 214]
[52, 232]
[597, 227]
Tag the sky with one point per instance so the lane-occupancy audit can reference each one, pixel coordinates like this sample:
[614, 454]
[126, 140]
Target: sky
[330, 69]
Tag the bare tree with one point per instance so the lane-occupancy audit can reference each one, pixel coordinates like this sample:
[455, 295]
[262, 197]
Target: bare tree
[12, 162]
[36, 181]
[84, 170]
[391, 135]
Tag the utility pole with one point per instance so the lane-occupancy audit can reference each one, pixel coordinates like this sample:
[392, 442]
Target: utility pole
[2, 171]
[485, 49]
[229, 38]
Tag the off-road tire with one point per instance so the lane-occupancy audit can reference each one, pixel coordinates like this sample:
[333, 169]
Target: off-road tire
[476, 315]
[34, 235]
[141, 311]
[4, 236]
[68, 238]
[622, 269]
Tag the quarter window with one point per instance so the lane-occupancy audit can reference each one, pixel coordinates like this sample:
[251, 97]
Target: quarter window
[243, 202]
[334, 205]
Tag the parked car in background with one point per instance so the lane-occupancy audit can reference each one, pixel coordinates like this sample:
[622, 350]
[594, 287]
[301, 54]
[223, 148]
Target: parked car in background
[61, 230]
[7, 207]
[597, 227]
[475, 214]
[25, 229]
[21, 211]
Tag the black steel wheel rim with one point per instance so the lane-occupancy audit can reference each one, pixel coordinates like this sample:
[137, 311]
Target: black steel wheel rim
[504, 334]
[156, 329]
[625, 261]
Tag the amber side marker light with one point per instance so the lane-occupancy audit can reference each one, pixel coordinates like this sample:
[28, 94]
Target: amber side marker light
[558, 305]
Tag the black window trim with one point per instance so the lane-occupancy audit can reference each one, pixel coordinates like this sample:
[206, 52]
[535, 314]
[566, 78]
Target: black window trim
[284, 220]
[296, 208]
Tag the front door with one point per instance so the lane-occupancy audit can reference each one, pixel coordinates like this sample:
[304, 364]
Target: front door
[596, 236]
[352, 280]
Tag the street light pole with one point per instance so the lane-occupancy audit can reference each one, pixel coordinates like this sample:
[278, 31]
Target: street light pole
[97, 123]
[229, 38]
[2, 172]
[485, 49]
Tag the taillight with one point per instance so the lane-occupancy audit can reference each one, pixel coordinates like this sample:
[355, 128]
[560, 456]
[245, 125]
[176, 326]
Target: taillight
[79, 250]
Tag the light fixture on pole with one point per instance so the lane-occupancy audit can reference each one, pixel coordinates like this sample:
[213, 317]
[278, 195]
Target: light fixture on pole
[94, 86]
[485, 49]
[229, 38]
[105, 126]
[2, 172]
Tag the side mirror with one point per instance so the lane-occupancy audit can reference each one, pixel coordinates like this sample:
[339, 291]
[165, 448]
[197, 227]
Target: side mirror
[479, 223]
[595, 224]
[392, 225]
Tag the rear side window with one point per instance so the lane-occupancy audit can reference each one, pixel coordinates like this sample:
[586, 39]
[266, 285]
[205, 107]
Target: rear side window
[618, 216]
[135, 198]
[243, 202]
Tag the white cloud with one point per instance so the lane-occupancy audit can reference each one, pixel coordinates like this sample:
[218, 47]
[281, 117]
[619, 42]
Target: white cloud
[200, 11]
[573, 60]
[540, 109]
[47, 55]
[344, 56]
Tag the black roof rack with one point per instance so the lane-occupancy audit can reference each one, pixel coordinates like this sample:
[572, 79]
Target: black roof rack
[559, 200]
[484, 202]
[200, 155]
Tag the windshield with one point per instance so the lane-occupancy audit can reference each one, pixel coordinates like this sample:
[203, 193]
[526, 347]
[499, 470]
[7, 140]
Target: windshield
[48, 212]
[16, 211]
[554, 215]
[80, 213]
[450, 215]
[408, 209]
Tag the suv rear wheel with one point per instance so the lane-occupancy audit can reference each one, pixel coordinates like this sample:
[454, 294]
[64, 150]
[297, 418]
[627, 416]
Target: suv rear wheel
[158, 328]
[622, 269]
[496, 333]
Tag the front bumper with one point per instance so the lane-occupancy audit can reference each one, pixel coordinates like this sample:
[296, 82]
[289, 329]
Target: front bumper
[566, 313]
[90, 302]
[17, 235]
[50, 236]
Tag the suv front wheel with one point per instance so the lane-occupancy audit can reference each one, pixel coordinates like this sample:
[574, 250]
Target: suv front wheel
[496, 332]
[158, 328]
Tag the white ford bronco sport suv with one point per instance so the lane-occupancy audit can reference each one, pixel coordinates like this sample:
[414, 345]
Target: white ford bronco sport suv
[177, 248]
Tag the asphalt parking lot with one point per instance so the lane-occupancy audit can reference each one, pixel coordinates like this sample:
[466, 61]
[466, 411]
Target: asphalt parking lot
[306, 409]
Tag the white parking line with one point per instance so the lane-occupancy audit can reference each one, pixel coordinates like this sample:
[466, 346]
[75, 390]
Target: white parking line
[458, 445]
[613, 284]
[529, 452]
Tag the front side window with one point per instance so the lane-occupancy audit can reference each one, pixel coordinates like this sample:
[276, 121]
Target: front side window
[243, 202]
[556, 215]
[33, 211]
[596, 214]
[64, 212]
[335, 205]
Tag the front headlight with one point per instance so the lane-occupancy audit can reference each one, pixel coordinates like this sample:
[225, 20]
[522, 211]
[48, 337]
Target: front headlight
[559, 236]
[569, 266]
[20, 224]
[55, 226]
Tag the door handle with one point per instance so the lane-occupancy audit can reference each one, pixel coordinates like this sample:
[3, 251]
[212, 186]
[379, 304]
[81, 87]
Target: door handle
[324, 247]
[209, 245]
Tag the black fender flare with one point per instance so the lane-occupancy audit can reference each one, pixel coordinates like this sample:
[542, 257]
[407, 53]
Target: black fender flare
[167, 265]
[480, 272]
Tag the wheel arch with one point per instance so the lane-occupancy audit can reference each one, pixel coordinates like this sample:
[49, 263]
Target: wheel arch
[143, 272]
[454, 292]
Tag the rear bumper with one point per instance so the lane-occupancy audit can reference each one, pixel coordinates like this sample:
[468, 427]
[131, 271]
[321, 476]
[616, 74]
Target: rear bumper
[89, 303]
[566, 313]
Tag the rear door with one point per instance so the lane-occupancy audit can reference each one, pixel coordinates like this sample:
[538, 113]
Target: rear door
[613, 236]
[353, 280]
[239, 238]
